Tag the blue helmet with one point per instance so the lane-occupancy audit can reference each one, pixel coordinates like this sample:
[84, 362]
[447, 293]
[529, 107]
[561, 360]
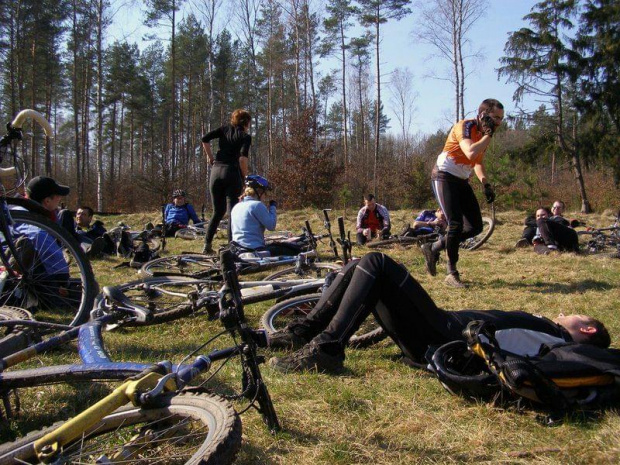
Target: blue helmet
[254, 181]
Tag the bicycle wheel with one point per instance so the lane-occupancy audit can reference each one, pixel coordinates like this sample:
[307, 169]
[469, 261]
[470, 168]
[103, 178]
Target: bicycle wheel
[311, 271]
[167, 297]
[192, 265]
[178, 428]
[59, 284]
[281, 314]
[403, 241]
[186, 234]
[473, 243]
[14, 338]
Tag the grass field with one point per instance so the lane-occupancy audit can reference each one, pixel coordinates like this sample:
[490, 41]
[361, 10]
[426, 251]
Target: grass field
[381, 411]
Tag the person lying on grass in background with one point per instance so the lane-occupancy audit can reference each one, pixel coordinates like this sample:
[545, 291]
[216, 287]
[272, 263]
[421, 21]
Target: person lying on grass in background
[556, 213]
[427, 222]
[379, 285]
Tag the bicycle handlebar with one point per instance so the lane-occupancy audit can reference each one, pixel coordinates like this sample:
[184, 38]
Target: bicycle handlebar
[35, 115]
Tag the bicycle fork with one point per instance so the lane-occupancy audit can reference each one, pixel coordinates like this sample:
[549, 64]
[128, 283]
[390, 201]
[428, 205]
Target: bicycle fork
[52, 443]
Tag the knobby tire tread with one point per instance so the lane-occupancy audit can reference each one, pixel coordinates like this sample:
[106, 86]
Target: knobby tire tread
[221, 449]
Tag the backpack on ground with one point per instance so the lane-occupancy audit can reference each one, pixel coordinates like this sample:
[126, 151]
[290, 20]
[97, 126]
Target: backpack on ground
[560, 378]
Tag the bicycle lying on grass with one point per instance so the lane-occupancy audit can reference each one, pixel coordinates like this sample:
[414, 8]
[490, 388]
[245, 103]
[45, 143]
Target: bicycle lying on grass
[472, 243]
[305, 264]
[603, 240]
[56, 279]
[164, 420]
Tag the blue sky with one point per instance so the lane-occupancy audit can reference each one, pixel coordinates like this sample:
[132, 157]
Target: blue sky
[434, 104]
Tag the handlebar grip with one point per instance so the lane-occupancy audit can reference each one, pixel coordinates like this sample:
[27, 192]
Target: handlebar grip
[341, 226]
[7, 173]
[309, 229]
[325, 210]
[35, 115]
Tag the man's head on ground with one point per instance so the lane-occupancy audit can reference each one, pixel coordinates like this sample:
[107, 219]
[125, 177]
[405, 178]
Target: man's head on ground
[369, 202]
[439, 214]
[542, 213]
[84, 216]
[46, 191]
[178, 197]
[558, 208]
[585, 329]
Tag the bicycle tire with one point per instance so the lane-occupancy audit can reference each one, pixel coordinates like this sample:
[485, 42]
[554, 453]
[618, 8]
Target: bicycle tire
[314, 270]
[402, 240]
[474, 243]
[186, 234]
[179, 428]
[14, 338]
[167, 297]
[52, 299]
[278, 316]
[191, 265]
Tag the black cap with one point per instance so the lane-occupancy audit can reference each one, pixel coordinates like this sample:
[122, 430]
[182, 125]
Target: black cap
[41, 186]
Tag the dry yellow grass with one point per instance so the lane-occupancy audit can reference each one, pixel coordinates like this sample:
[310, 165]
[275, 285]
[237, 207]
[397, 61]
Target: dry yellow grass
[380, 411]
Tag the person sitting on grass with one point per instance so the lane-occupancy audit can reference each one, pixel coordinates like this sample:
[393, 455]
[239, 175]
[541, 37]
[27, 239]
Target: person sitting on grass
[379, 285]
[555, 214]
[427, 222]
[250, 217]
[178, 214]
[91, 234]
[373, 220]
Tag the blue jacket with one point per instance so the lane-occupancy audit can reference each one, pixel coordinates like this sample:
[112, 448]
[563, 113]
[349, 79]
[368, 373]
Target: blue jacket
[248, 221]
[180, 215]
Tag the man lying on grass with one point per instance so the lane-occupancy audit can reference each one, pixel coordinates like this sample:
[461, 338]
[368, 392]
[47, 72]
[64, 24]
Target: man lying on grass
[411, 319]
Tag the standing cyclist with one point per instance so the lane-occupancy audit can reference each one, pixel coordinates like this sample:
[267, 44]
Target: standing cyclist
[462, 153]
[230, 167]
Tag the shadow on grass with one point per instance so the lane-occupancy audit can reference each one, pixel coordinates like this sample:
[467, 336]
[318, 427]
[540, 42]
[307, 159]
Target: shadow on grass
[553, 288]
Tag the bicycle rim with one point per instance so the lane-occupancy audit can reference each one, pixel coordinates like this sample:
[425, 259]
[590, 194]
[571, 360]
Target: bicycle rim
[473, 243]
[179, 429]
[167, 297]
[59, 284]
[314, 270]
[192, 265]
[281, 314]
[186, 234]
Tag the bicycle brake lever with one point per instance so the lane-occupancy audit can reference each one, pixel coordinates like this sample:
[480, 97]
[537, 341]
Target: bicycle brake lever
[148, 396]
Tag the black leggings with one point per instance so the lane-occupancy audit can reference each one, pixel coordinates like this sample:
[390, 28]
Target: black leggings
[554, 233]
[458, 202]
[225, 186]
[379, 285]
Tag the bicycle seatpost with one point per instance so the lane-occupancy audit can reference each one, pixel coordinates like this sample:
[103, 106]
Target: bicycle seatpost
[343, 241]
[231, 305]
[328, 226]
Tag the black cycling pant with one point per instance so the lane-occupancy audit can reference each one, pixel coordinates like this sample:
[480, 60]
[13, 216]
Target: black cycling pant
[554, 233]
[377, 284]
[530, 228]
[460, 206]
[225, 186]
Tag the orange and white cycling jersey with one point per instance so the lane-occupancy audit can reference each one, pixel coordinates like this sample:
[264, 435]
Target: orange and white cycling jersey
[452, 160]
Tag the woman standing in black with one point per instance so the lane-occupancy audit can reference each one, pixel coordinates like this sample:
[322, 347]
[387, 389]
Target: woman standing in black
[229, 168]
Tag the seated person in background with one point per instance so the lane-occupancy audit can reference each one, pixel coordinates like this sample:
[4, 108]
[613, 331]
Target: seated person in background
[178, 213]
[556, 214]
[378, 284]
[427, 222]
[38, 251]
[250, 217]
[553, 233]
[373, 220]
[92, 237]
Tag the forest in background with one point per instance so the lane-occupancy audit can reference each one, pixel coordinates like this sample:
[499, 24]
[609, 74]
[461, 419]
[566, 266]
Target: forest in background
[128, 122]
